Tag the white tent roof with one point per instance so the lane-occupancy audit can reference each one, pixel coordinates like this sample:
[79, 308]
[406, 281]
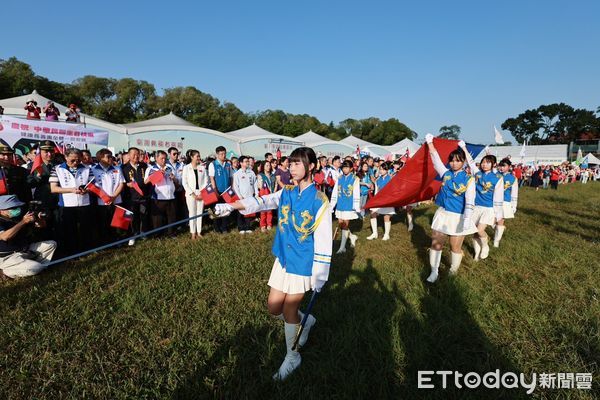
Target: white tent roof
[311, 137]
[368, 147]
[15, 106]
[592, 159]
[401, 146]
[169, 119]
[255, 132]
[540, 154]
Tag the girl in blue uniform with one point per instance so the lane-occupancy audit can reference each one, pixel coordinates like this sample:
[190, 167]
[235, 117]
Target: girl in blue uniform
[456, 199]
[511, 196]
[304, 228]
[382, 179]
[489, 188]
[346, 196]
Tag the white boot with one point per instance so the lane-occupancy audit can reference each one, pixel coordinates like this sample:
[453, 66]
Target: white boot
[409, 218]
[455, 259]
[342, 248]
[498, 235]
[374, 229]
[310, 321]
[435, 256]
[352, 238]
[476, 248]
[485, 247]
[387, 226]
[292, 358]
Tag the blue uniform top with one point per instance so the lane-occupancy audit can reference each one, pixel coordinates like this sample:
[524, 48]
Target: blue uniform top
[452, 192]
[509, 180]
[299, 217]
[345, 196]
[223, 175]
[485, 182]
[382, 181]
[364, 190]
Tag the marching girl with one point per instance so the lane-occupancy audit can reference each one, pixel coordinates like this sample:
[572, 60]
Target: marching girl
[366, 185]
[511, 196]
[304, 228]
[382, 179]
[489, 195]
[456, 199]
[346, 195]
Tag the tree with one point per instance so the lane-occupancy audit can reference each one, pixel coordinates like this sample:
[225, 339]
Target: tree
[389, 132]
[449, 132]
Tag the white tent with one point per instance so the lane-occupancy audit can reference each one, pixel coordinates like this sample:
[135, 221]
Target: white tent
[256, 141]
[535, 154]
[367, 147]
[401, 147]
[325, 146]
[592, 159]
[172, 131]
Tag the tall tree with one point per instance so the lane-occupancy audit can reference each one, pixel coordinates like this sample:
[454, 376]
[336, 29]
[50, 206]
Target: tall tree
[449, 132]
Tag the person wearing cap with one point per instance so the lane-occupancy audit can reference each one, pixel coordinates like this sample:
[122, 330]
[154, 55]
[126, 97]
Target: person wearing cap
[75, 216]
[18, 258]
[110, 179]
[39, 181]
[72, 114]
[14, 178]
[33, 111]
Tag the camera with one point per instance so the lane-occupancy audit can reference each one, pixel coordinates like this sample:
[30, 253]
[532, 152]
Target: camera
[39, 213]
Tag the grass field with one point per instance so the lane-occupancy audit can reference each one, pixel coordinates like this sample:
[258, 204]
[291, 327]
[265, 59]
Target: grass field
[174, 318]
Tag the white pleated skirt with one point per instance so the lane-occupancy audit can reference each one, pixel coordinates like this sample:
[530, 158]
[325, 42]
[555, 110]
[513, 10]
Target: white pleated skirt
[384, 210]
[483, 215]
[507, 210]
[451, 224]
[288, 283]
[347, 215]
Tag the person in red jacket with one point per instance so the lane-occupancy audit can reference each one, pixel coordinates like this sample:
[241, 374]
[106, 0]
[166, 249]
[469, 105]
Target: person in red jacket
[554, 177]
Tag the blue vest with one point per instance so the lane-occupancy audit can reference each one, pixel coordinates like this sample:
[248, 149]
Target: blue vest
[509, 180]
[294, 241]
[484, 186]
[222, 175]
[345, 192]
[452, 192]
[382, 181]
[364, 190]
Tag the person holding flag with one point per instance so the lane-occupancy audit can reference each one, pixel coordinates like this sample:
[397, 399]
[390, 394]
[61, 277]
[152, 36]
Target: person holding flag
[511, 197]
[195, 180]
[138, 193]
[220, 174]
[162, 176]
[345, 198]
[244, 186]
[382, 179]
[304, 228]
[266, 184]
[456, 201]
[489, 188]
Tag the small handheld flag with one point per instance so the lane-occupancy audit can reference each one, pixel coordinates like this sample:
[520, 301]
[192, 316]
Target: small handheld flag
[229, 195]
[137, 188]
[278, 154]
[37, 162]
[122, 218]
[99, 192]
[209, 196]
[264, 189]
[156, 177]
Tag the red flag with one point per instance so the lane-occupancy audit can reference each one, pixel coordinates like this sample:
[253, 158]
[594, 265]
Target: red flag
[319, 177]
[156, 177]
[98, 192]
[406, 156]
[146, 157]
[416, 180]
[58, 149]
[278, 154]
[229, 195]
[3, 185]
[122, 218]
[209, 196]
[330, 181]
[37, 163]
[264, 190]
[137, 188]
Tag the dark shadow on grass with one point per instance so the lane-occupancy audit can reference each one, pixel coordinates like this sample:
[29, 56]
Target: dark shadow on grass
[561, 225]
[421, 242]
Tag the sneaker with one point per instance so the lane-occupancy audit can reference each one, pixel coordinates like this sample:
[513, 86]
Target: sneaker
[248, 232]
[242, 232]
[269, 228]
[131, 242]
[263, 229]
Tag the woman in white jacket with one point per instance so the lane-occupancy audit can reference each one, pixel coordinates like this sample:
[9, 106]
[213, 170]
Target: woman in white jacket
[194, 179]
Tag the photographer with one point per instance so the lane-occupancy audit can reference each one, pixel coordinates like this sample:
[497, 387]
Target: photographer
[19, 257]
[72, 114]
[51, 112]
[33, 111]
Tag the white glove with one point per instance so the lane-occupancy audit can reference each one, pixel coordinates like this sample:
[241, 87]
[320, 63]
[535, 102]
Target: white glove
[223, 209]
[514, 209]
[462, 144]
[429, 138]
[317, 284]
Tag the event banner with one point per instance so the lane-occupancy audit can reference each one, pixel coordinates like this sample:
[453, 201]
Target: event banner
[14, 130]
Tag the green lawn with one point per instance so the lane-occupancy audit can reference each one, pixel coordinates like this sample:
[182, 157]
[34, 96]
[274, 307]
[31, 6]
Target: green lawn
[174, 318]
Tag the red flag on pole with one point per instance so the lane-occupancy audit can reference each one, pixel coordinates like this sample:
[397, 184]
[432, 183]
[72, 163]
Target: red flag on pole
[406, 156]
[229, 195]
[137, 188]
[209, 196]
[278, 154]
[156, 177]
[122, 218]
[3, 185]
[37, 163]
[146, 157]
[416, 180]
[99, 192]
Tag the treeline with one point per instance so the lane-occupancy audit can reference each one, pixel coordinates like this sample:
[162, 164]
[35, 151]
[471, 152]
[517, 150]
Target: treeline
[129, 100]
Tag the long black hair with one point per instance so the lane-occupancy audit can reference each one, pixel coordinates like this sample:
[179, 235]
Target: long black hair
[306, 156]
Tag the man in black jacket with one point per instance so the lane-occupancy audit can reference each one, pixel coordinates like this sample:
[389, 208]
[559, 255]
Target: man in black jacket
[137, 195]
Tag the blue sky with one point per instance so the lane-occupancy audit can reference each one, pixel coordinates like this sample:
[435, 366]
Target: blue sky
[430, 63]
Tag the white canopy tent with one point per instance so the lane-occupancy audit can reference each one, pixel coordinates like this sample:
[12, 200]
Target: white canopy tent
[256, 141]
[592, 159]
[535, 154]
[366, 147]
[401, 147]
[325, 146]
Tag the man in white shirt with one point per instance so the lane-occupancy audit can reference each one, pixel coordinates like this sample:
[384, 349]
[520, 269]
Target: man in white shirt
[177, 165]
[163, 192]
[111, 181]
[244, 185]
